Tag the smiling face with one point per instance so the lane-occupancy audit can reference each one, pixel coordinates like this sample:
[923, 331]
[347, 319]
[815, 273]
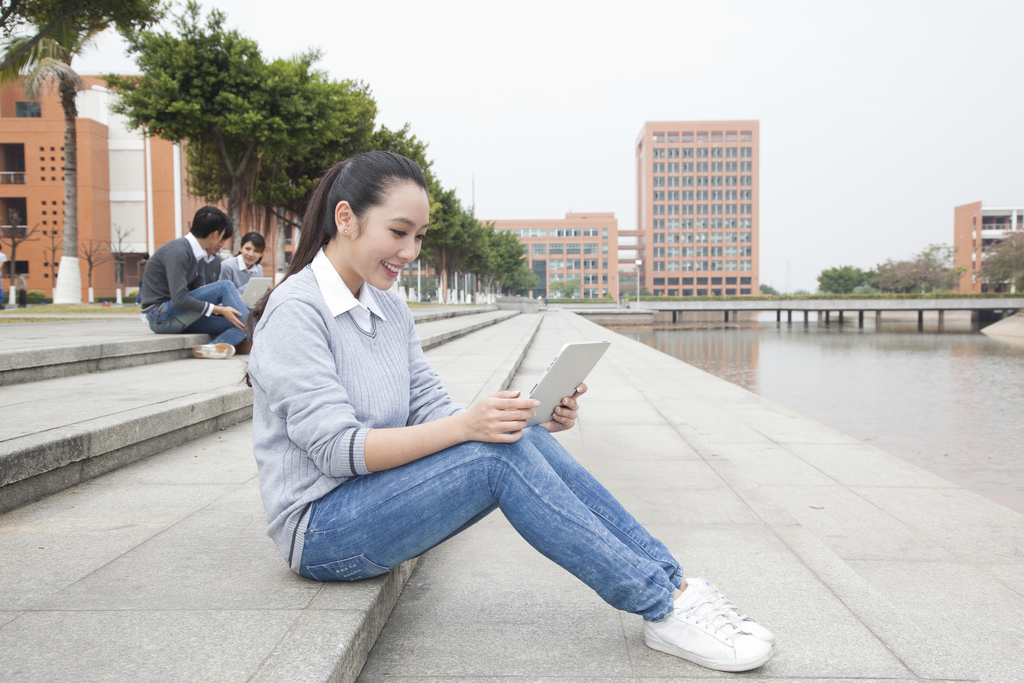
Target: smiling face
[376, 247]
[250, 254]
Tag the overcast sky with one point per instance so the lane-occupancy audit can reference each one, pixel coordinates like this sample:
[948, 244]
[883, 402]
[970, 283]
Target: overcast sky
[877, 118]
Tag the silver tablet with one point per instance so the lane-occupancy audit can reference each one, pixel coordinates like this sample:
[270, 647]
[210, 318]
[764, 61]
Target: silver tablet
[254, 289]
[570, 367]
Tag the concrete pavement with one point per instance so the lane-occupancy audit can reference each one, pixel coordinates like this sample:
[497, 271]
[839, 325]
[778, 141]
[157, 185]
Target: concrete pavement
[865, 567]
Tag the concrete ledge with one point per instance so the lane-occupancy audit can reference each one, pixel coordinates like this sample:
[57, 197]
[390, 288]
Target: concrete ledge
[434, 340]
[429, 315]
[44, 463]
[331, 645]
[24, 365]
[506, 370]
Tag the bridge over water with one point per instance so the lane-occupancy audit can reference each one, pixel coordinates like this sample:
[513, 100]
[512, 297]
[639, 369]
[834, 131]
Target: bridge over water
[980, 307]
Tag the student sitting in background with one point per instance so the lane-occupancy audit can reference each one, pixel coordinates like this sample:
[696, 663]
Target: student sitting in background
[175, 298]
[246, 265]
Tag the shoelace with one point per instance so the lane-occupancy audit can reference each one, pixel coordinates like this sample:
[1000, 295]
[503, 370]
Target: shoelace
[707, 610]
[719, 600]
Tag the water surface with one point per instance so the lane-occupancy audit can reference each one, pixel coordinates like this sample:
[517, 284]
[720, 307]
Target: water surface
[950, 402]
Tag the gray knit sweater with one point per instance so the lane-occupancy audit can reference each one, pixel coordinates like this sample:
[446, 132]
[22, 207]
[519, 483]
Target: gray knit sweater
[171, 273]
[320, 384]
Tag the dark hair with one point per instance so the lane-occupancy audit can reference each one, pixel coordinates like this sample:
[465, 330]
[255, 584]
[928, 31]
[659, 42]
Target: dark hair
[363, 181]
[210, 219]
[256, 239]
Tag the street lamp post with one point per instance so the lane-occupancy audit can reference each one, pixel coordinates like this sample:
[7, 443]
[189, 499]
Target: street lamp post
[638, 263]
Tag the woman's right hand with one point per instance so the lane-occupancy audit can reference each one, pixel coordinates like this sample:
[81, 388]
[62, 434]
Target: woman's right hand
[498, 418]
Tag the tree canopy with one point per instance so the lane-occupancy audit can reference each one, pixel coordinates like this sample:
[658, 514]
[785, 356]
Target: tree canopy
[1005, 262]
[841, 280]
[931, 270]
[34, 20]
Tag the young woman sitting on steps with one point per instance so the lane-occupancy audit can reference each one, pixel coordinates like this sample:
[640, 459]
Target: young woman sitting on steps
[365, 462]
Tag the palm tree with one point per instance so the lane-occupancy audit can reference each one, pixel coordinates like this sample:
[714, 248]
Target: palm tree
[49, 63]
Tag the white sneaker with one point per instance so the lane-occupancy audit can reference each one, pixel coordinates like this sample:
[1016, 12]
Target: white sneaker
[213, 351]
[746, 622]
[701, 632]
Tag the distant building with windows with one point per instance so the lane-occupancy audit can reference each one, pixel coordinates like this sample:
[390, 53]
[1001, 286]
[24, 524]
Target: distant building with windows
[697, 217]
[580, 247]
[976, 229]
[132, 189]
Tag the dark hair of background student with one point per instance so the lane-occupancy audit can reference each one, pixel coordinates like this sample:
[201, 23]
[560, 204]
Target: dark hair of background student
[255, 239]
[210, 219]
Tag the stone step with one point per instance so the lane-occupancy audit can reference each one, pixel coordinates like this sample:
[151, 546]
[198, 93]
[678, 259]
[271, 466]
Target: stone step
[63, 348]
[169, 554]
[62, 431]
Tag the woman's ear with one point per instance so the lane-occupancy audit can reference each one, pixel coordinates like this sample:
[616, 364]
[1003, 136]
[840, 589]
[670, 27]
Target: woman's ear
[344, 219]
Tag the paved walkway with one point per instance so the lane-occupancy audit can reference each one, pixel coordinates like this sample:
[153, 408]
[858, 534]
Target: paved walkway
[864, 566]
[161, 570]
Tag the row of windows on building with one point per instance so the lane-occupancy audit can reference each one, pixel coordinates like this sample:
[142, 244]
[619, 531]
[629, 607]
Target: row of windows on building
[561, 232]
[702, 153]
[676, 252]
[661, 266]
[659, 167]
[570, 248]
[703, 223]
[702, 195]
[576, 264]
[588, 278]
[677, 237]
[704, 136]
[703, 181]
[701, 209]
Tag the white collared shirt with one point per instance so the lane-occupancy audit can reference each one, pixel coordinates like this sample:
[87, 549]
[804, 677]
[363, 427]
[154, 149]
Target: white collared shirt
[197, 249]
[201, 256]
[339, 297]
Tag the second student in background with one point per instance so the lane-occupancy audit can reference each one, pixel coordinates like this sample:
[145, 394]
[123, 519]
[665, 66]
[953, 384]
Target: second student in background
[246, 265]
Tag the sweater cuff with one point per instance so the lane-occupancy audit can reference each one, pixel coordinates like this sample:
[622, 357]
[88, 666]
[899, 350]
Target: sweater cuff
[209, 310]
[352, 454]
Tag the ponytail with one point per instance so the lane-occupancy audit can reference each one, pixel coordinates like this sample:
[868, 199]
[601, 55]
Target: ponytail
[363, 181]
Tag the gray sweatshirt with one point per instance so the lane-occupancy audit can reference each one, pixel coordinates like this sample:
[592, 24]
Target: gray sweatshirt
[320, 384]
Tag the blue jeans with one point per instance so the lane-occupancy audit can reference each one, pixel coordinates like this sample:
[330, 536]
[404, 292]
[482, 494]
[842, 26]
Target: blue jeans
[169, 319]
[373, 523]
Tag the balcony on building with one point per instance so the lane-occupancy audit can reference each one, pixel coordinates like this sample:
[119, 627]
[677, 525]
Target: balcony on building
[12, 164]
[13, 212]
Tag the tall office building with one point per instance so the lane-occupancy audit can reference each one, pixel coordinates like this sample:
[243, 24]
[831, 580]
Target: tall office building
[976, 230]
[697, 221]
[578, 248]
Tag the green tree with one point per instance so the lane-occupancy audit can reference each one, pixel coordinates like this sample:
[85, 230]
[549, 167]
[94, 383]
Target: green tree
[840, 280]
[768, 290]
[1005, 262]
[324, 122]
[931, 270]
[564, 289]
[44, 58]
[207, 85]
[42, 17]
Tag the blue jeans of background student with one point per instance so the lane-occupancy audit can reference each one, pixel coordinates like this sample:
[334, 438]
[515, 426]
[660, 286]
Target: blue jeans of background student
[169, 319]
[375, 522]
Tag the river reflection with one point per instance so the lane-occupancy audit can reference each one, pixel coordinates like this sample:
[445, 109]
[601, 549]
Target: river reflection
[948, 402]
